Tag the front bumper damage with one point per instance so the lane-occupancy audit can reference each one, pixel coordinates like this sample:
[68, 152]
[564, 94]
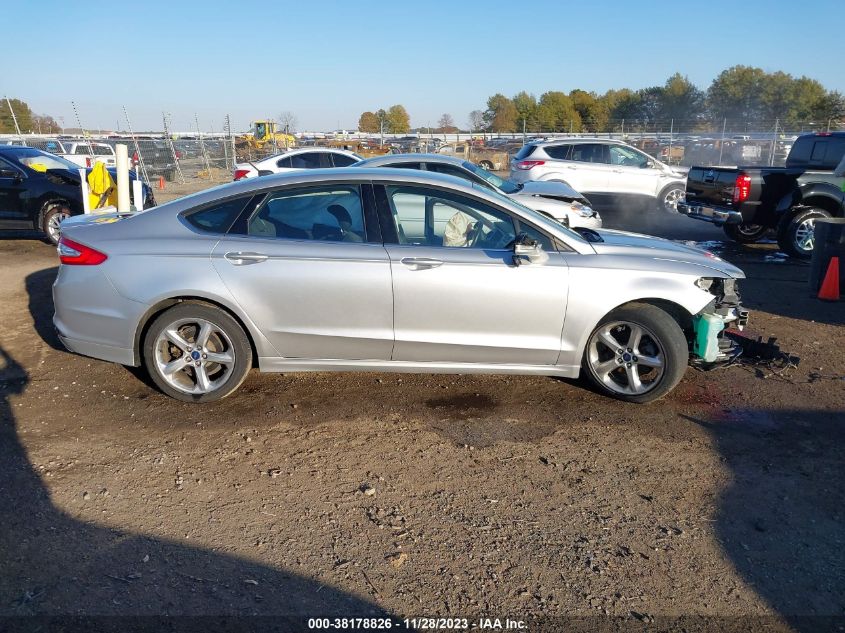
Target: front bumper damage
[710, 345]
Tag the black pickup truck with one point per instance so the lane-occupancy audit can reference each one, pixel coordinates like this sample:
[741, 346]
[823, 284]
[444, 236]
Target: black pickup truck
[749, 201]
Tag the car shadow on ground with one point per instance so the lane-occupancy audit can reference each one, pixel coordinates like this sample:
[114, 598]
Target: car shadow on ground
[780, 520]
[56, 565]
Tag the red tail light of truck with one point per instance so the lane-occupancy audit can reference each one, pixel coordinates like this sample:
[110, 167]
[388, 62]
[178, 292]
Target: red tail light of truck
[742, 188]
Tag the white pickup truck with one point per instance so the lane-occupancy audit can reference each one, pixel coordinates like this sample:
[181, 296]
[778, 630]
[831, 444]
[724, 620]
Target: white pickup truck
[82, 154]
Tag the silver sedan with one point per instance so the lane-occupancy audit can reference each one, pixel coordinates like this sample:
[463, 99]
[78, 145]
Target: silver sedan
[384, 270]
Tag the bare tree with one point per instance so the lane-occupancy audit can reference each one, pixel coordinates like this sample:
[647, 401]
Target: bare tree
[446, 122]
[476, 120]
[288, 121]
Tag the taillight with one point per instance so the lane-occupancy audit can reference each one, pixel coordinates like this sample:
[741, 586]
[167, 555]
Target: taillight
[742, 188]
[528, 164]
[76, 254]
[87, 162]
[241, 173]
[134, 157]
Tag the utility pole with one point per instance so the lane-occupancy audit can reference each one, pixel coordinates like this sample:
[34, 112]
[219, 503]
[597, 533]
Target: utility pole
[14, 118]
[141, 164]
[85, 134]
[169, 138]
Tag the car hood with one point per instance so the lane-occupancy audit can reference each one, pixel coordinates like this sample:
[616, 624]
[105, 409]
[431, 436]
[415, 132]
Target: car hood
[657, 248]
[549, 189]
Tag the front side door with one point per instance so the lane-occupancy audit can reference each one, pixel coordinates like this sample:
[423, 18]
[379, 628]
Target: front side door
[458, 296]
[12, 188]
[632, 171]
[300, 264]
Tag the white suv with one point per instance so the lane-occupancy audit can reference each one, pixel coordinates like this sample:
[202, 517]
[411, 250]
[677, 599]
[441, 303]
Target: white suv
[601, 169]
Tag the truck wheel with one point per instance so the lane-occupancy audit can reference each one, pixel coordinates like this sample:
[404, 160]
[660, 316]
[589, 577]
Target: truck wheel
[669, 197]
[486, 164]
[637, 353]
[745, 233]
[796, 232]
[51, 217]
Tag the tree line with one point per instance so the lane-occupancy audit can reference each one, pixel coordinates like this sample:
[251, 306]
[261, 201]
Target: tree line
[28, 121]
[739, 96]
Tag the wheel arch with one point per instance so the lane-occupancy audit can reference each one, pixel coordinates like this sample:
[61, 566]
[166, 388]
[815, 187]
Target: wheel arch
[679, 313]
[45, 204]
[825, 202]
[150, 315]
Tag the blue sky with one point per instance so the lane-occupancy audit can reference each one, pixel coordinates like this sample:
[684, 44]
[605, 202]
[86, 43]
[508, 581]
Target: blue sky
[327, 61]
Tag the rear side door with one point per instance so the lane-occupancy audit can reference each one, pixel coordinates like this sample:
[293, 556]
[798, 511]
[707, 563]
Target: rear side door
[312, 273]
[12, 191]
[458, 296]
[585, 165]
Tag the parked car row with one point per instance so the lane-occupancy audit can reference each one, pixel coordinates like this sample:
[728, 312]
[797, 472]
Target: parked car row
[557, 200]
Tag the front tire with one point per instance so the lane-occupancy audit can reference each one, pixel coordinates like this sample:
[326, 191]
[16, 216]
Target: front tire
[745, 233]
[669, 196]
[51, 218]
[197, 352]
[638, 353]
[796, 232]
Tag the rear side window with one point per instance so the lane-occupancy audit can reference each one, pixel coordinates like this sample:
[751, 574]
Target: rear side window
[283, 163]
[342, 160]
[525, 151]
[218, 218]
[309, 160]
[817, 151]
[589, 153]
[560, 152]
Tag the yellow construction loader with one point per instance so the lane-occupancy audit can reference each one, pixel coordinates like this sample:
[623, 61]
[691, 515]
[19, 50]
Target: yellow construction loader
[264, 137]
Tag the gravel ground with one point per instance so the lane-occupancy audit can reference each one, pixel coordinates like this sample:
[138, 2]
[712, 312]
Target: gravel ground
[351, 494]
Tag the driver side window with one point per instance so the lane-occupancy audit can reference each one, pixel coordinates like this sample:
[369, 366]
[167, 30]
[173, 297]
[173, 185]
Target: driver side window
[430, 217]
[627, 157]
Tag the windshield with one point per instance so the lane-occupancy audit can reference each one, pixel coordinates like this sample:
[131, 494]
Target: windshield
[40, 161]
[533, 215]
[499, 183]
[260, 130]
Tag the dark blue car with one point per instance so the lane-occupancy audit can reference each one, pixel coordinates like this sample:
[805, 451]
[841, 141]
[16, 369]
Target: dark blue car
[41, 198]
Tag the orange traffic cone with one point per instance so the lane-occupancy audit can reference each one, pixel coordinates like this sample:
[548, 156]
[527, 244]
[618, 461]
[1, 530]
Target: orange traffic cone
[161, 182]
[830, 286]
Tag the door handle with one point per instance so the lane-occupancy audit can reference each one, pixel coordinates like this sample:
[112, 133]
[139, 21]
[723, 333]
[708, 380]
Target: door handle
[617, 171]
[241, 259]
[421, 263]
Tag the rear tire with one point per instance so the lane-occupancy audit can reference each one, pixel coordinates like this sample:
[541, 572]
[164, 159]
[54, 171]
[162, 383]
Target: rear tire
[650, 356]
[796, 231]
[745, 233]
[196, 352]
[51, 218]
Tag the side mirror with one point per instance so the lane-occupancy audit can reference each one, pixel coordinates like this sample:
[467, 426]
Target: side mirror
[649, 164]
[528, 250]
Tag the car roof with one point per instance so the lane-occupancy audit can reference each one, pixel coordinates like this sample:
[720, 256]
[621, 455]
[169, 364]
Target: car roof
[580, 139]
[410, 158]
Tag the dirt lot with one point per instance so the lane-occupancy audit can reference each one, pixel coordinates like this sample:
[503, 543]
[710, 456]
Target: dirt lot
[463, 496]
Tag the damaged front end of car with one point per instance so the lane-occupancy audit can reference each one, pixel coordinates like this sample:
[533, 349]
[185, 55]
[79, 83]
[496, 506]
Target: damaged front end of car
[710, 344]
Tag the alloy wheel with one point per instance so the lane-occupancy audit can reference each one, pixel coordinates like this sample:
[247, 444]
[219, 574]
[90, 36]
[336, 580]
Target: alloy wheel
[671, 199]
[626, 357]
[805, 235]
[194, 356]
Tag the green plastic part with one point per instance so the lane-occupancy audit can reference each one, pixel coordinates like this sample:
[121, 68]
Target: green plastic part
[707, 328]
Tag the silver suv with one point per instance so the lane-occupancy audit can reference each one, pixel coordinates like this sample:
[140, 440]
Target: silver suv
[602, 169]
